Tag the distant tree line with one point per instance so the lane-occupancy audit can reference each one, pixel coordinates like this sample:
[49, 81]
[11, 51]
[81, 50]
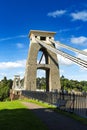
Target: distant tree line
[70, 85]
[66, 85]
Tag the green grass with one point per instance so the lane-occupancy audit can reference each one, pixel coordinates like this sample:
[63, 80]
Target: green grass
[44, 104]
[54, 108]
[15, 116]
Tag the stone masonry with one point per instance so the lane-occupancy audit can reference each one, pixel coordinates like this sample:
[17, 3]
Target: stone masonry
[51, 66]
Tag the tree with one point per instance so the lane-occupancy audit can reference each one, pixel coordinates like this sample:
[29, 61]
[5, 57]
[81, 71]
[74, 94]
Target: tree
[5, 86]
[70, 85]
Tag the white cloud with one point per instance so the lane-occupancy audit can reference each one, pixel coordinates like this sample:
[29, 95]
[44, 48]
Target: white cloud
[42, 60]
[10, 38]
[61, 71]
[61, 60]
[64, 61]
[79, 40]
[82, 15]
[69, 29]
[56, 13]
[3, 74]
[9, 65]
[20, 45]
[82, 56]
[40, 73]
[64, 30]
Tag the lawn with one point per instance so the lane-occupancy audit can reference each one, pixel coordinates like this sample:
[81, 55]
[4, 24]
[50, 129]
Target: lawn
[15, 116]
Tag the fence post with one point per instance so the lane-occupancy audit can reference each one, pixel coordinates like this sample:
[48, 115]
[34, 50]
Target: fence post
[86, 104]
[73, 101]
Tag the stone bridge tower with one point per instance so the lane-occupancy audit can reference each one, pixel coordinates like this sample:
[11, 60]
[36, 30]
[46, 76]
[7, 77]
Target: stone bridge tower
[16, 82]
[51, 63]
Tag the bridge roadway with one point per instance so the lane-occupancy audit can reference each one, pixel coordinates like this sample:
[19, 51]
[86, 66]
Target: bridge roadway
[53, 120]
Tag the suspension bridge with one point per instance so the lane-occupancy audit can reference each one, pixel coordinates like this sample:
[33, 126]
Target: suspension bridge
[44, 41]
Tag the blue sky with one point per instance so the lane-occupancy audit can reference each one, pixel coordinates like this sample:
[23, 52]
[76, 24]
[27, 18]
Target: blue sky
[17, 17]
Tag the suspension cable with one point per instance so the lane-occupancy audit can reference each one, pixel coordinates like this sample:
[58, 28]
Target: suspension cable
[68, 47]
[66, 55]
[41, 58]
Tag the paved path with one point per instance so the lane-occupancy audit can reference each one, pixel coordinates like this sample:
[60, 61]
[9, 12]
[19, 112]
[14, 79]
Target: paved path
[53, 120]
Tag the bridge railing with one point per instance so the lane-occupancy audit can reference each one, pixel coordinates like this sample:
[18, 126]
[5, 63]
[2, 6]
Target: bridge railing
[68, 102]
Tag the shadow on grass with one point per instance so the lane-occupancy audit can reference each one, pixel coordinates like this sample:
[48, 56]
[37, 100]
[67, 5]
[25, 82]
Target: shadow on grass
[20, 119]
[25, 119]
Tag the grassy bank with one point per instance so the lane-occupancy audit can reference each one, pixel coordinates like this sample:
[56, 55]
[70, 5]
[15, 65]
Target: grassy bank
[15, 116]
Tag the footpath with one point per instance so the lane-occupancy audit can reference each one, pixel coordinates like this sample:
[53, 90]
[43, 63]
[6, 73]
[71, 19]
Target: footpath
[53, 120]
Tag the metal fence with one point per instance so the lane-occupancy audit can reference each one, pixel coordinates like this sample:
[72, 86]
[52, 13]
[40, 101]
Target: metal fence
[68, 102]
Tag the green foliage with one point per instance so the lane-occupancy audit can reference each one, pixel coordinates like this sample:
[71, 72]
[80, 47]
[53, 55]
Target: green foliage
[5, 86]
[40, 103]
[66, 84]
[70, 85]
[15, 116]
[41, 83]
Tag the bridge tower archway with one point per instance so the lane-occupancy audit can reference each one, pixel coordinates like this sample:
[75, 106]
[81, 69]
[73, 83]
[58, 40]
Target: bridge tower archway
[51, 63]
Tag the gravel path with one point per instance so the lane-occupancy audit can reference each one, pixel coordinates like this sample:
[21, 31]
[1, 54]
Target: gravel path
[53, 120]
